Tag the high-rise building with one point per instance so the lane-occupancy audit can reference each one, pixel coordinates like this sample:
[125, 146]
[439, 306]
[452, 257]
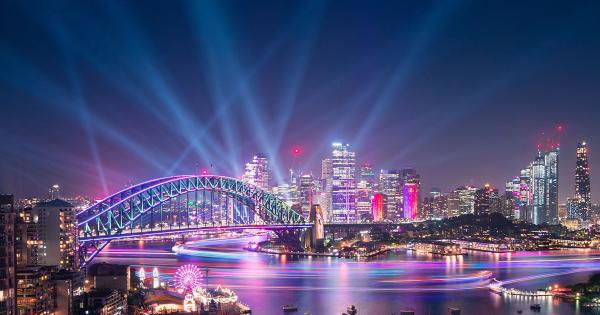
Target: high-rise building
[327, 183]
[538, 184]
[412, 206]
[57, 228]
[582, 198]
[435, 205]
[378, 207]
[390, 185]
[343, 190]
[486, 200]
[410, 200]
[367, 175]
[34, 290]
[364, 194]
[551, 166]
[257, 172]
[536, 197]
[7, 256]
[461, 201]
[306, 191]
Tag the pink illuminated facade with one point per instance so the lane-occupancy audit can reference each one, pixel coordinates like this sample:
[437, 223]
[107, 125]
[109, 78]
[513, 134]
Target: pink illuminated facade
[410, 194]
[377, 207]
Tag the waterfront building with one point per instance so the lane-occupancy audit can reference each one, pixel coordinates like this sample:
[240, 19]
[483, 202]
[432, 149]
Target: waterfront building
[343, 189]
[582, 197]
[257, 172]
[486, 200]
[57, 230]
[8, 304]
[390, 185]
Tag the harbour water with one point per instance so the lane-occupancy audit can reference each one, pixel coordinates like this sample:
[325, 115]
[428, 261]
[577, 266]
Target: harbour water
[389, 283]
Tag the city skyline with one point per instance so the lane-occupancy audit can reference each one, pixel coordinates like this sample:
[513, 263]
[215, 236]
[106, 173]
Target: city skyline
[117, 99]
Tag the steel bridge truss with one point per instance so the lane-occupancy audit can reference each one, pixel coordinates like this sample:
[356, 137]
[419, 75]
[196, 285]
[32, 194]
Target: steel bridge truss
[180, 204]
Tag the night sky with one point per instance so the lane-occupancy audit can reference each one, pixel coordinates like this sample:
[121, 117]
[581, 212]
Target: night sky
[99, 94]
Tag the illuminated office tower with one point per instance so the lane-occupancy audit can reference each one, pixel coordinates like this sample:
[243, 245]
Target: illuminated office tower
[461, 201]
[57, 228]
[306, 189]
[257, 172]
[525, 195]
[486, 200]
[343, 189]
[435, 205]
[364, 194]
[538, 181]
[551, 166]
[583, 201]
[512, 195]
[390, 185]
[327, 183]
[413, 180]
[410, 200]
[367, 175]
[377, 207]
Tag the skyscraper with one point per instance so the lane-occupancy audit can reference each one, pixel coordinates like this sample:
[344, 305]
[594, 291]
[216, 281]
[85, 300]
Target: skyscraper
[390, 185]
[536, 189]
[582, 198]
[411, 205]
[551, 166]
[486, 199]
[367, 174]
[257, 172]
[57, 228]
[461, 201]
[538, 185]
[343, 190]
[305, 192]
[410, 200]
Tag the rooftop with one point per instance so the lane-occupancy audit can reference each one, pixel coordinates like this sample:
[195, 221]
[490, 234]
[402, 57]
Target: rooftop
[56, 203]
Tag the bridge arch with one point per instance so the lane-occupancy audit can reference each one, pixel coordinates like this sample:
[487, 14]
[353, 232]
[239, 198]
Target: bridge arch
[180, 204]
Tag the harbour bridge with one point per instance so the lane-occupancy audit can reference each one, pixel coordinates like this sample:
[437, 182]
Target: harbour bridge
[183, 204]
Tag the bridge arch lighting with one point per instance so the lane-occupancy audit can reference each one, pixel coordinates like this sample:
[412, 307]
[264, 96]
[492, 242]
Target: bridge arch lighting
[181, 204]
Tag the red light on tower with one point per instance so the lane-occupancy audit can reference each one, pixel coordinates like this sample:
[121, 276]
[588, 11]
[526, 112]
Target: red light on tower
[296, 151]
[204, 171]
[560, 127]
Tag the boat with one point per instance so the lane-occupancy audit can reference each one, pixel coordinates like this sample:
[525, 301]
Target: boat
[535, 307]
[290, 308]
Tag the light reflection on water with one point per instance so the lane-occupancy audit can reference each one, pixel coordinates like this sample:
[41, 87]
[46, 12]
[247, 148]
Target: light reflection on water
[394, 281]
